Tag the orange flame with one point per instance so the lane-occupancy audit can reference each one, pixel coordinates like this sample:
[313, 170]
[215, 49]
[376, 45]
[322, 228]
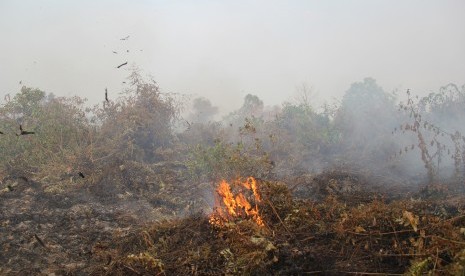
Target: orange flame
[237, 206]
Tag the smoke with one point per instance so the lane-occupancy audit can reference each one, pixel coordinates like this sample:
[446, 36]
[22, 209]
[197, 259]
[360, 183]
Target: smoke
[370, 130]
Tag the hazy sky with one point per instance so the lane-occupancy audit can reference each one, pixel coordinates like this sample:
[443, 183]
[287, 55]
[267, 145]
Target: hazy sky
[225, 49]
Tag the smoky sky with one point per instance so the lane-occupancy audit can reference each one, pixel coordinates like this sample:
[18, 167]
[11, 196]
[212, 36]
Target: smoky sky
[224, 50]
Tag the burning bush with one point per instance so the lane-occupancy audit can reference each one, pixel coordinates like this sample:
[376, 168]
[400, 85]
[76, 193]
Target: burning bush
[281, 235]
[237, 205]
[145, 184]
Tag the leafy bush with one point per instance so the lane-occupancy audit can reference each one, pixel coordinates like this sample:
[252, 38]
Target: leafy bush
[70, 137]
[227, 161]
[60, 124]
[136, 125]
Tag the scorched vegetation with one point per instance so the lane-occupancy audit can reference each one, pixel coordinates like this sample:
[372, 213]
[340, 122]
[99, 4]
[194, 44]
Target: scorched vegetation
[138, 186]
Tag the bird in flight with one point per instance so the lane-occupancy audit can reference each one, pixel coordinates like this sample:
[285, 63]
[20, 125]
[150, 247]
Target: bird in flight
[106, 95]
[124, 38]
[119, 66]
[188, 125]
[24, 132]
[114, 52]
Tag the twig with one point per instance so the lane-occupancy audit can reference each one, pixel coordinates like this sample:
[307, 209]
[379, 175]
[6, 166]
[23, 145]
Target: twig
[402, 255]
[435, 261]
[276, 213]
[291, 189]
[357, 249]
[381, 233]
[397, 238]
[307, 238]
[444, 239]
[40, 241]
[132, 269]
[366, 273]
[455, 218]
[100, 158]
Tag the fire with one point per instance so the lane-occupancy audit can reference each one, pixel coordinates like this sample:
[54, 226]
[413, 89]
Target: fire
[237, 206]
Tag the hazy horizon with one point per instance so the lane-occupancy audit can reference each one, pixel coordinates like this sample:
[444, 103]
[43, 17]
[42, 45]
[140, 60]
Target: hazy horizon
[225, 50]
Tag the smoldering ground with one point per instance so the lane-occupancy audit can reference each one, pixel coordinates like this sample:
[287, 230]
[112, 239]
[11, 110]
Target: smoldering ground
[145, 162]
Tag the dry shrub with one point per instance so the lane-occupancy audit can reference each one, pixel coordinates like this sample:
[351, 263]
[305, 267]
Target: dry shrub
[134, 126]
[302, 236]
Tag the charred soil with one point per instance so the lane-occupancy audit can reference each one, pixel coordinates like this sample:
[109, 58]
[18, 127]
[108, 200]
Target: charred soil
[130, 226]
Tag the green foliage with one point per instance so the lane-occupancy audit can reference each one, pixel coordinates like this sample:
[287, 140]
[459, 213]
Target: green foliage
[203, 110]
[202, 134]
[60, 126]
[366, 115]
[365, 110]
[252, 104]
[69, 135]
[138, 124]
[419, 267]
[25, 104]
[306, 126]
[252, 107]
[295, 138]
[226, 161]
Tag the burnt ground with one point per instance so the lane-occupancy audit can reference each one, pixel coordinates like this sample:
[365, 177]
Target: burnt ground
[46, 231]
[43, 233]
[137, 219]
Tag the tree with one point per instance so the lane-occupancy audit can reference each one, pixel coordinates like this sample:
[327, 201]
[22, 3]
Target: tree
[25, 103]
[252, 106]
[366, 119]
[140, 123]
[203, 110]
[60, 125]
[251, 109]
